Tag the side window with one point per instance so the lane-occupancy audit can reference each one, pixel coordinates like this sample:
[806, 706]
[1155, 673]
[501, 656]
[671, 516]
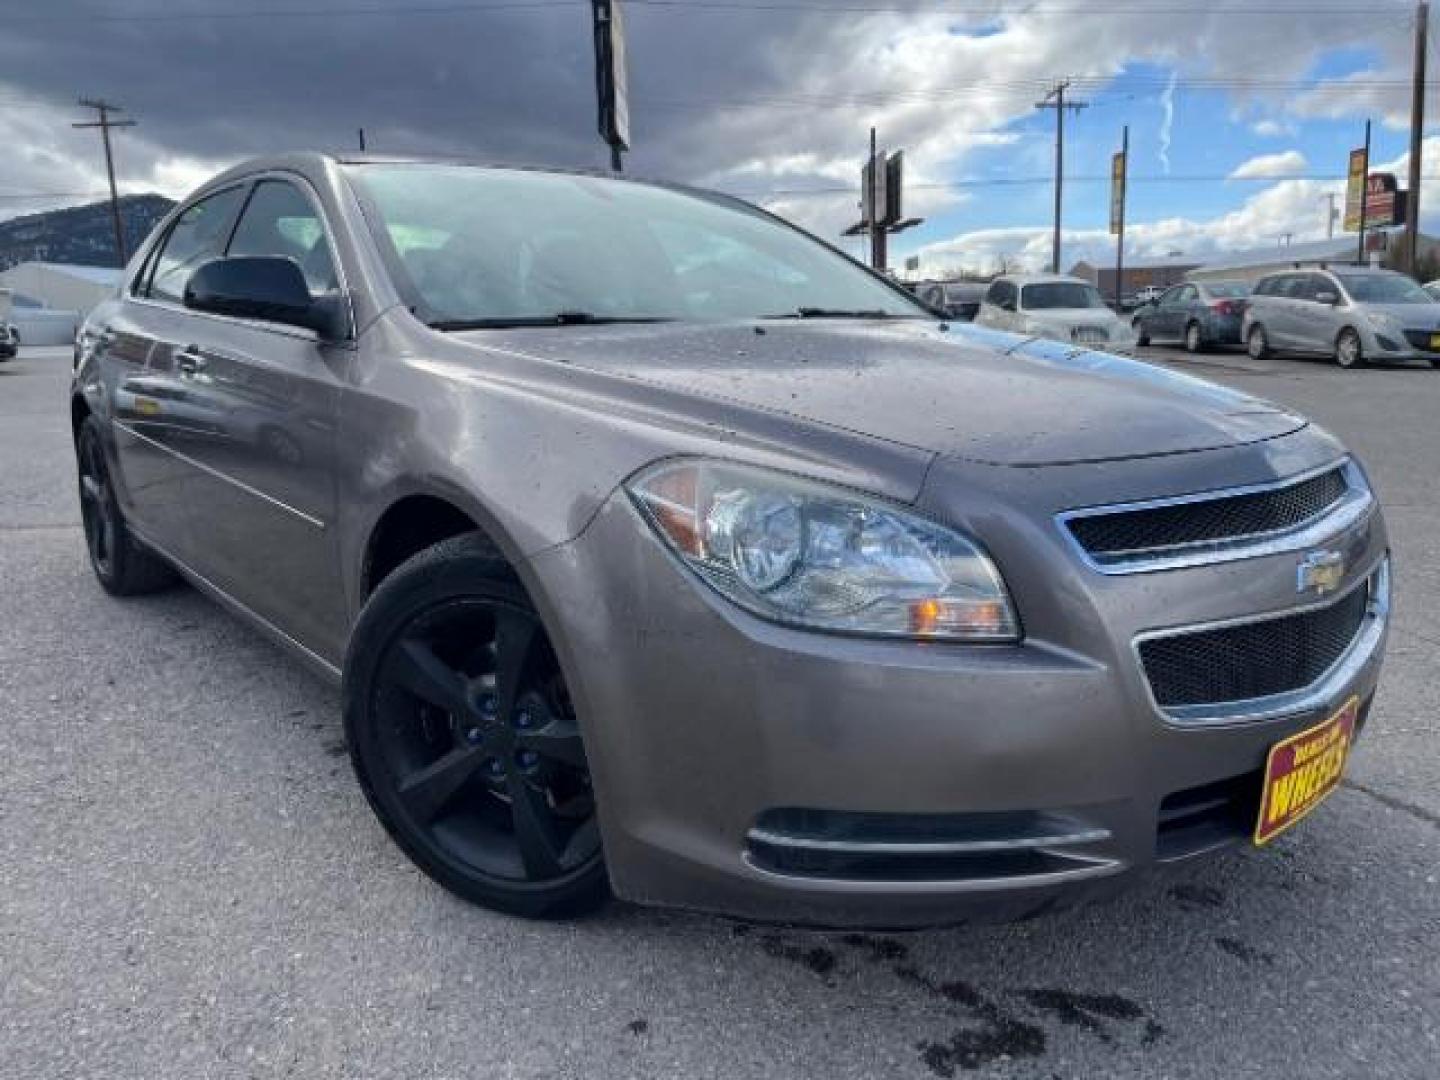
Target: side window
[1318, 284]
[1188, 295]
[1170, 296]
[197, 236]
[1305, 286]
[1009, 295]
[279, 220]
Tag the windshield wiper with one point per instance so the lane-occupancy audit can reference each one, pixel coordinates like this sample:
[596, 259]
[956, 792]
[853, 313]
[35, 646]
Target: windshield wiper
[560, 318]
[835, 313]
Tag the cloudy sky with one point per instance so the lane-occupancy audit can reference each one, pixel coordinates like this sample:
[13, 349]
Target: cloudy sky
[1241, 112]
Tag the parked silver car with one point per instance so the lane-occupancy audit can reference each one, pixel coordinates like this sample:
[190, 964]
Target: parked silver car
[1057, 307]
[1354, 314]
[1198, 315]
[659, 546]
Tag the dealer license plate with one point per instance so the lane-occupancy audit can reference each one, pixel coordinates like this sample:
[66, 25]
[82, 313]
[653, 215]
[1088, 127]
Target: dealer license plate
[1303, 769]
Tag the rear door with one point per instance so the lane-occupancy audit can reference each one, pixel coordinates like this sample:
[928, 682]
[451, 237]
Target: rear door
[156, 419]
[264, 507]
[1311, 326]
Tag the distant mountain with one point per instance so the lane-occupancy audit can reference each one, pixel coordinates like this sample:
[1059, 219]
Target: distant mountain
[81, 235]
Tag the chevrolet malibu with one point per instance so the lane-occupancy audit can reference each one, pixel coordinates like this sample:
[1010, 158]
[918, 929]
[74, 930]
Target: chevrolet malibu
[660, 549]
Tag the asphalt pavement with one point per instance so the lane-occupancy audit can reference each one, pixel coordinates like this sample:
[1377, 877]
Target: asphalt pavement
[191, 885]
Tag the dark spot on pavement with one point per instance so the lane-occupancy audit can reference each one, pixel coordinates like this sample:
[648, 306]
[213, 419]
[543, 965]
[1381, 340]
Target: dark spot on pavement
[1086, 1011]
[1194, 897]
[638, 1026]
[817, 958]
[998, 1036]
[1153, 1033]
[1241, 951]
[878, 949]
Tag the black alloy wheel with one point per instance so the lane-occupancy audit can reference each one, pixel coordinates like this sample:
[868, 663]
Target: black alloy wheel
[465, 740]
[121, 565]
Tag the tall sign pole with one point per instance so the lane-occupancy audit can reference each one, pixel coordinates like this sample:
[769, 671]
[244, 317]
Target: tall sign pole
[103, 110]
[1364, 198]
[1417, 142]
[612, 86]
[1119, 173]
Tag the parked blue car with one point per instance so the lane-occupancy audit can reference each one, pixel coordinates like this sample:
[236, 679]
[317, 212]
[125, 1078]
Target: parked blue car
[1199, 315]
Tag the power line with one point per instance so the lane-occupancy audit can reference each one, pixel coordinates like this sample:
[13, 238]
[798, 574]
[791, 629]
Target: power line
[989, 12]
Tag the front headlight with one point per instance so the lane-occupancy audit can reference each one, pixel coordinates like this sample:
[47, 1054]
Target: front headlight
[824, 558]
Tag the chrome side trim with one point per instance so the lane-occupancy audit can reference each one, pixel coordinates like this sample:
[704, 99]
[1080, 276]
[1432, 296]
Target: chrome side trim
[944, 847]
[309, 519]
[264, 625]
[1356, 505]
[1322, 692]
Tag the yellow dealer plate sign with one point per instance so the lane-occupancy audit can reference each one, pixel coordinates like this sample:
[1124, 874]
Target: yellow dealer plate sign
[1303, 769]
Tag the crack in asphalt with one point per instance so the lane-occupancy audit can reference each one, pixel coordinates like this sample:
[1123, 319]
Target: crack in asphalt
[1419, 812]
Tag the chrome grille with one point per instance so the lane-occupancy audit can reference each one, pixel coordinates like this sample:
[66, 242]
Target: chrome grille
[1252, 660]
[1089, 335]
[1224, 519]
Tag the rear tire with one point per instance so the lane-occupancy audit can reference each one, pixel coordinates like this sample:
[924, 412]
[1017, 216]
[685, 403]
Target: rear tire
[1349, 352]
[464, 740]
[1194, 339]
[122, 565]
[1141, 337]
[1257, 344]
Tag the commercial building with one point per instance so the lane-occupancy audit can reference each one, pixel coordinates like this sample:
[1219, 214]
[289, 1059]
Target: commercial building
[1339, 251]
[49, 300]
[1140, 272]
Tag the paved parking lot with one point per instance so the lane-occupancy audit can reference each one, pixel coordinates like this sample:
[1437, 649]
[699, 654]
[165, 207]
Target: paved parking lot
[193, 887]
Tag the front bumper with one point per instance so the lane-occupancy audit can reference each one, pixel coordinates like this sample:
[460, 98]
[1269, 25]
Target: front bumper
[758, 771]
[1396, 348]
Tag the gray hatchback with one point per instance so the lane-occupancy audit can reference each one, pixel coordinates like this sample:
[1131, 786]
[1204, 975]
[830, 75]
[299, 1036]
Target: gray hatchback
[661, 548]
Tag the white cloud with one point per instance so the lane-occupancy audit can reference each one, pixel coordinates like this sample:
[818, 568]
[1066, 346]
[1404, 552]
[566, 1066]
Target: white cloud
[1270, 128]
[1287, 163]
[1296, 207]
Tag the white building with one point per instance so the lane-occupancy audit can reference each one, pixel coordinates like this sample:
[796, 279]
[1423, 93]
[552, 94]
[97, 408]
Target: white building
[49, 300]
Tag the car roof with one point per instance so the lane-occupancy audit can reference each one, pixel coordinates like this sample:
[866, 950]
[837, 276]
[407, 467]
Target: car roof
[316, 163]
[1041, 279]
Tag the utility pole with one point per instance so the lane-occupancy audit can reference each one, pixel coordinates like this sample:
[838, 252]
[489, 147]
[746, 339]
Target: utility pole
[1417, 128]
[1330, 214]
[1120, 177]
[361, 132]
[1055, 99]
[104, 123]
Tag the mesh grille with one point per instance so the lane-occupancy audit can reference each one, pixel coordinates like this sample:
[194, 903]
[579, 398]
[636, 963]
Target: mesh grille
[1227, 518]
[1253, 660]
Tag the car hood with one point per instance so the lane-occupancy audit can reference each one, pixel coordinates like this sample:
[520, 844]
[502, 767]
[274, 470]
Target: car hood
[964, 392]
[1410, 316]
[1068, 317]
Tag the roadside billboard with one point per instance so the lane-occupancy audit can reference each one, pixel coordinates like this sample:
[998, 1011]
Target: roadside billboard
[1355, 187]
[1117, 193]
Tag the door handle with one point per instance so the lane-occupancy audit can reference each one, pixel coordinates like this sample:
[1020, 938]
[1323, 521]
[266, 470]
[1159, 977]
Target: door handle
[189, 361]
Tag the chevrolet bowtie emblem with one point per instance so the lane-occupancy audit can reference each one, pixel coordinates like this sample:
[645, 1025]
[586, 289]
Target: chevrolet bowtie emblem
[1320, 572]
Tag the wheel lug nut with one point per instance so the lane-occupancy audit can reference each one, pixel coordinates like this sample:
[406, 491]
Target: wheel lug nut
[487, 704]
[523, 719]
[527, 759]
[474, 735]
[495, 766]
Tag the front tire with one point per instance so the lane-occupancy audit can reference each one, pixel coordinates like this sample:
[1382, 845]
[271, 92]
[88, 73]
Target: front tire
[1349, 352]
[464, 739]
[122, 566]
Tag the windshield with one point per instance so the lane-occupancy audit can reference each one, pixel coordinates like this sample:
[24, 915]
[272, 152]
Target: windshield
[481, 246]
[1060, 294]
[1228, 290]
[1384, 289]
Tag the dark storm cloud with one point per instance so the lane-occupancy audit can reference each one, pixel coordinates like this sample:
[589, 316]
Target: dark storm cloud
[506, 84]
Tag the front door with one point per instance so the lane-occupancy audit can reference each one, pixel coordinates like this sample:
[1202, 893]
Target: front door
[263, 515]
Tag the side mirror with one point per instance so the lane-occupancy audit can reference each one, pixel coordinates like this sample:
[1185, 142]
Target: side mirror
[1327, 297]
[265, 287]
